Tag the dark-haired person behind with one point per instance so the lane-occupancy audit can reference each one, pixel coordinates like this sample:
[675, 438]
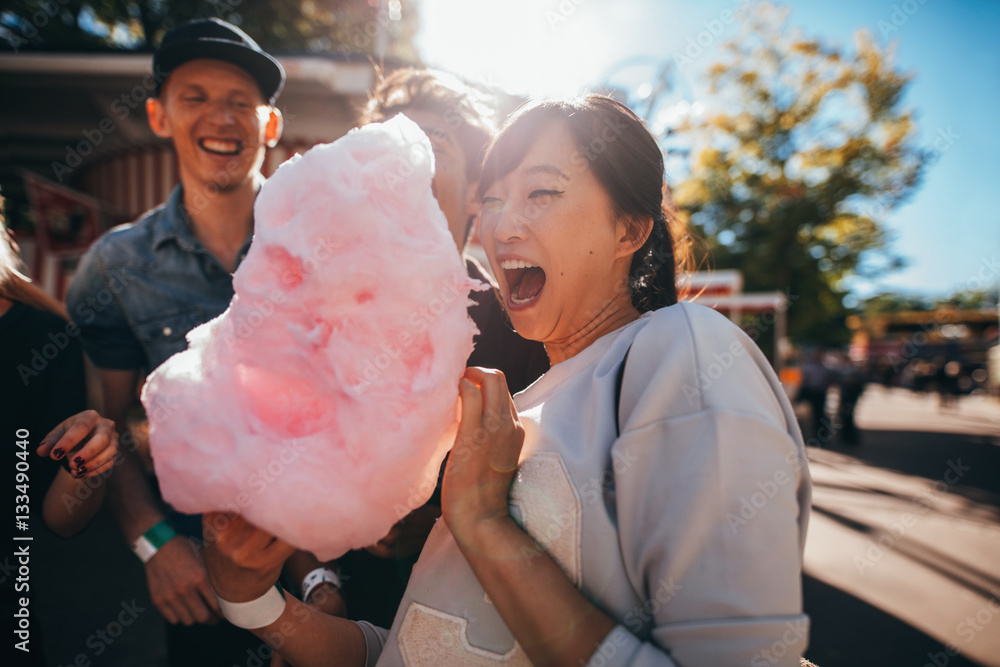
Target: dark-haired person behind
[44, 423]
[458, 121]
[599, 515]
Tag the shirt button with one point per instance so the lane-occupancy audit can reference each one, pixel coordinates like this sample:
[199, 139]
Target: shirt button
[167, 331]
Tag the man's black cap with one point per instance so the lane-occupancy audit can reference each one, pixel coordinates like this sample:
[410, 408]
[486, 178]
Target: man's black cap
[216, 39]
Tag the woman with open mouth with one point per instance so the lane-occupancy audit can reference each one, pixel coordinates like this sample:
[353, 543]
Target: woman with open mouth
[643, 503]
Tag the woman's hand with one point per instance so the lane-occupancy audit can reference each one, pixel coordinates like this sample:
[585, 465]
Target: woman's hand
[548, 616]
[89, 443]
[242, 560]
[482, 463]
[87, 439]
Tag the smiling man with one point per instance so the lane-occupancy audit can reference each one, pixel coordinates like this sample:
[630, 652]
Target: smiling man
[143, 286]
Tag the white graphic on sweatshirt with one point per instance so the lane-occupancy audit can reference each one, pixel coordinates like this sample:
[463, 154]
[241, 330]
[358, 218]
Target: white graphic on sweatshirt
[549, 509]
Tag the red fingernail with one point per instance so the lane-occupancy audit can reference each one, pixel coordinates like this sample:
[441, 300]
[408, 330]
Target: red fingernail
[58, 453]
[79, 461]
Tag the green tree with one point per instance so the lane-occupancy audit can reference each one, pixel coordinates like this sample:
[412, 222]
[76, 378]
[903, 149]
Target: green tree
[894, 302]
[791, 177]
[971, 299]
[279, 26]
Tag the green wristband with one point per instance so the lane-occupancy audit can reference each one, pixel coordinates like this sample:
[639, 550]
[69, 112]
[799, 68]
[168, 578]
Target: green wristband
[150, 542]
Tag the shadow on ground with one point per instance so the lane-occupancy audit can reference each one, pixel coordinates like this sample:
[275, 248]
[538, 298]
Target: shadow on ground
[847, 632]
[928, 455]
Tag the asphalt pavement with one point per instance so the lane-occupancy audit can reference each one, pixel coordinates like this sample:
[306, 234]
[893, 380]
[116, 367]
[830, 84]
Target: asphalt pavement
[902, 563]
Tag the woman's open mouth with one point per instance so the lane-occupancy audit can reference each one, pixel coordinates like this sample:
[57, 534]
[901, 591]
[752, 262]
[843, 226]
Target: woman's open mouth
[524, 282]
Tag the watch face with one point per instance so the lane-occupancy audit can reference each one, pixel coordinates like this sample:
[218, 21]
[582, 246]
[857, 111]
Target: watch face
[317, 577]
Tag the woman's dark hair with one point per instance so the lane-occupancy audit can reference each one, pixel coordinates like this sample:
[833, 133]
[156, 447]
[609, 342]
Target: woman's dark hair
[627, 162]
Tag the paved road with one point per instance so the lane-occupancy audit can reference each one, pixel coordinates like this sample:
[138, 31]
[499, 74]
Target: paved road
[903, 553]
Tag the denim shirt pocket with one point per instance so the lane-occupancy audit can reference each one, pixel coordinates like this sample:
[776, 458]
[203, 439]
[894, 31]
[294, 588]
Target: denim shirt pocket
[165, 334]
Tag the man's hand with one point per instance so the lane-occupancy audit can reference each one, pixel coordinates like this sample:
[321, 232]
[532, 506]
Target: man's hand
[326, 598]
[178, 583]
[243, 561]
[179, 586]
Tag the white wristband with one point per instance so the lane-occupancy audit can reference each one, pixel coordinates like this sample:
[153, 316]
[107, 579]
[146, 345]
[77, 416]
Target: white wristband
[150, 542]
[265, 610]
[143, 549]
[317, 577]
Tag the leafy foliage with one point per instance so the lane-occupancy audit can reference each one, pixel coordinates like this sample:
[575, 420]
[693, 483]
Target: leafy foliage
[894, 302]
[303, 26]
[790, 180]
[972, 299]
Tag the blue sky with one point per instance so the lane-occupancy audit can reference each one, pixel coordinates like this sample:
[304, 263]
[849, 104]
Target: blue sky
[949, 231]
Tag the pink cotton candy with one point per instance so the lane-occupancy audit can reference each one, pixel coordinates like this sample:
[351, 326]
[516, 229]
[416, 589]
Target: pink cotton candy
[321, 403]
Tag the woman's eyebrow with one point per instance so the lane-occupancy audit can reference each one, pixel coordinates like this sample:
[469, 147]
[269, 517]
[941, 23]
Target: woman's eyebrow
[435, 133]
[546, 169]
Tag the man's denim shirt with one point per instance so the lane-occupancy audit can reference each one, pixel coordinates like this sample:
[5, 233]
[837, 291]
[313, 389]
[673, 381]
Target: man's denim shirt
[141, 287]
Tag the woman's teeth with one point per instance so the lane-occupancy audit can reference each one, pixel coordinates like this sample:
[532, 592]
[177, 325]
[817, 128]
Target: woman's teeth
[524, 279]
[508, 264]
[518, 302]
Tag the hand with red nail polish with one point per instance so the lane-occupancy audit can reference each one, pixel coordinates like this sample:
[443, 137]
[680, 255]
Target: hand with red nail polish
[89, 437]
[87, 445]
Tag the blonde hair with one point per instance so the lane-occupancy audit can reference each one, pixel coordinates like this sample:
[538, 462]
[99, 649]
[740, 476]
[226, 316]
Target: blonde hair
[16, 286]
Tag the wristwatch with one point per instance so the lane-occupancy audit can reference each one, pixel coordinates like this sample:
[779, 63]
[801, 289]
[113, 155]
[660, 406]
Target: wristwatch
[317, 577]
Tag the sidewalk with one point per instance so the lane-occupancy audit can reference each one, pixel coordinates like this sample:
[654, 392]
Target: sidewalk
[903, 553]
